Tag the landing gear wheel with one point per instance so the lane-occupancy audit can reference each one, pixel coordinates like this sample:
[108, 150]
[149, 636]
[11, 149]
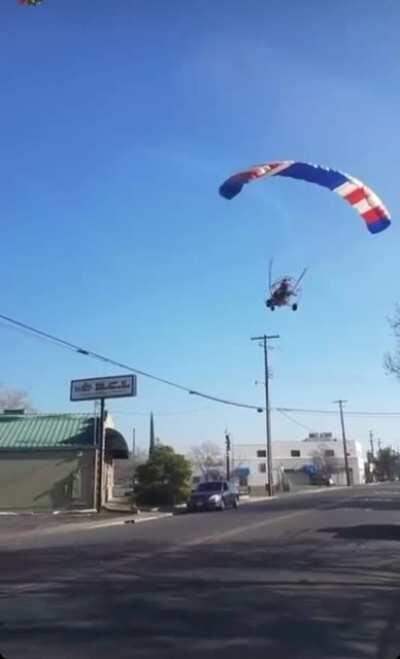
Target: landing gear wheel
[294, 307]
[271, 306]
[267, 303]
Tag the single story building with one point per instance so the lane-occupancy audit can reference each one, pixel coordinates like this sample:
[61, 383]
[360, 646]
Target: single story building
[49, 462]
[296, 460]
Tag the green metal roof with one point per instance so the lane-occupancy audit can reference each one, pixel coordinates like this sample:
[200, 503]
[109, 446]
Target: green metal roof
[46, 431]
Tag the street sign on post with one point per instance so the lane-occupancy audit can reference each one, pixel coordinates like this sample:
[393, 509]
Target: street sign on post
[99, 388]
[118, 386]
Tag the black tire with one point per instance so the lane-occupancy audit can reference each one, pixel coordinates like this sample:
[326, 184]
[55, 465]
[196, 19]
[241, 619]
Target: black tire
[271, 306]
[294, 307]
[222, 505]
[235, 504]
[268, 303]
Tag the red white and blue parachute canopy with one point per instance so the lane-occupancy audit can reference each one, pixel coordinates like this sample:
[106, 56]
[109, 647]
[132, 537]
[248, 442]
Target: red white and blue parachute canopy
[362, 198]
[30, 3]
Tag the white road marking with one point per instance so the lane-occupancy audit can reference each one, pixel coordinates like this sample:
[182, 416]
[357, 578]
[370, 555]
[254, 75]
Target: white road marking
[238, 530]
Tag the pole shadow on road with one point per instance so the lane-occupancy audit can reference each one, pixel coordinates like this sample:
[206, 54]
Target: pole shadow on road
[366, 532]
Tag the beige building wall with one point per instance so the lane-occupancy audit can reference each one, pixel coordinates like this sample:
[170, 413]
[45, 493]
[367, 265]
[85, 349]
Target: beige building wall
[46, 480]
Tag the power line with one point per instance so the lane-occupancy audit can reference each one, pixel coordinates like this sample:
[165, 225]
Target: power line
[297, 423]
[226, 402]
[158, 414]
[107, 360]
[299, 410]
[112, 362]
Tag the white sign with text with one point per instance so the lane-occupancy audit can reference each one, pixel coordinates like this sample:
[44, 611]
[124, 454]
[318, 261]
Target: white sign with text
[96, 388]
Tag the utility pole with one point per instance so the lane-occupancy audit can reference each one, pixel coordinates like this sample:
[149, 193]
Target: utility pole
[152, 443]
[371, 441]
[227, 453]
[133, 442]
[100, 458]
[346, 460]
[265, 339]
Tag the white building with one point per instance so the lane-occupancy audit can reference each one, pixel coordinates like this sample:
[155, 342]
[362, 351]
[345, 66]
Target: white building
[297, 458]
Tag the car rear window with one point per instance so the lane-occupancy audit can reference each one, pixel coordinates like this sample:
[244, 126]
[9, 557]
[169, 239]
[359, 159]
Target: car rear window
[210, 487]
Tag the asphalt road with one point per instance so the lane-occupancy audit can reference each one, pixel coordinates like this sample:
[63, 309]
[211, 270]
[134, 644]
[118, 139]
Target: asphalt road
[313, 576]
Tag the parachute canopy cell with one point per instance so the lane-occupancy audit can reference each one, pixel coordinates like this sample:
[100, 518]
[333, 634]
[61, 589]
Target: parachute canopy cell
[358, 195]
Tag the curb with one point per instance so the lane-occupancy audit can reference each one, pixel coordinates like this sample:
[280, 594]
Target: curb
[67, 528]
[61, 513]
[122, 522]
[138, 520]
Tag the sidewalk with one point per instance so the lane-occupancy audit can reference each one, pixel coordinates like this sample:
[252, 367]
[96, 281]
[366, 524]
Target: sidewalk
[14, 527]
[246, 498]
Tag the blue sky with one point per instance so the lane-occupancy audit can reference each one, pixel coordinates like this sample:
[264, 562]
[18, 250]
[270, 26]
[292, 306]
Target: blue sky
[120, 119]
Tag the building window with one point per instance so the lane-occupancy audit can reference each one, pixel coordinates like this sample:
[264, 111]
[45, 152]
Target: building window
[262, 454]
[262, 468]
[295, 454]
[329, 453]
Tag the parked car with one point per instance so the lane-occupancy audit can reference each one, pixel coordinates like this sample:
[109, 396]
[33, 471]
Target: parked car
[319, 479]
[214, 495]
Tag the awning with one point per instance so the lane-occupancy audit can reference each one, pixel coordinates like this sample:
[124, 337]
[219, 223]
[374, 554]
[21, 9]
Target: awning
[116, 446]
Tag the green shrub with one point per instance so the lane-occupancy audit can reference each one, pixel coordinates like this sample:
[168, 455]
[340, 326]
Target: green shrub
[164, 479]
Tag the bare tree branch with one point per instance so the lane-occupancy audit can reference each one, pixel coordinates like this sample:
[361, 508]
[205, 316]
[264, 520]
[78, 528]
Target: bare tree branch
[325, 464]
[392, 360]
[207, 459]
[14, 399]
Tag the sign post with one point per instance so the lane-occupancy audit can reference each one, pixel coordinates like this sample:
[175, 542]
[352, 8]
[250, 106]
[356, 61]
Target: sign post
[120, 386]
